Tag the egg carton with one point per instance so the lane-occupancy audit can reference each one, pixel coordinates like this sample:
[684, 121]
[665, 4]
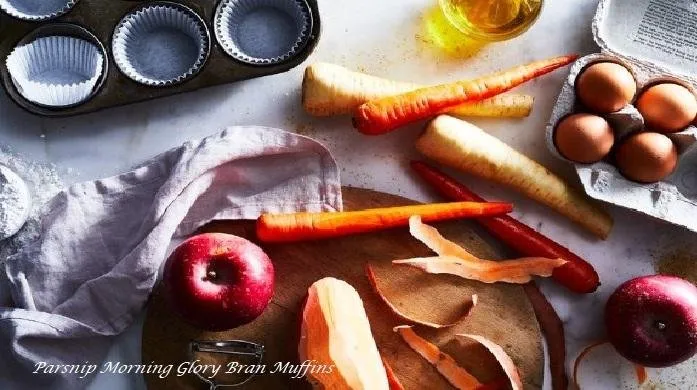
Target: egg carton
[68, 57]
[643, 36]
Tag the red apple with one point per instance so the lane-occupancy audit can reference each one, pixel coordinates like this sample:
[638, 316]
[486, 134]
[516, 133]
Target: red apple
[218, 281]
[652, 320]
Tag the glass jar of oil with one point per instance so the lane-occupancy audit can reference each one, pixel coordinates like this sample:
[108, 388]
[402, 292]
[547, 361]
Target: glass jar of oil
[492, 20]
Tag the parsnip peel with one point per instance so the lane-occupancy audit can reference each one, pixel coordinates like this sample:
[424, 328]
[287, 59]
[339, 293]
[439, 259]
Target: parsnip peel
[455, 260]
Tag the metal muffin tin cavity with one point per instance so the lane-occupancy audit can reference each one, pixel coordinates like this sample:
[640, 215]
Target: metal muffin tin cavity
[133, 35]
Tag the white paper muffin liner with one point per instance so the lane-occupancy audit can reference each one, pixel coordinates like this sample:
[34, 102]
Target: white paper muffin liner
[36, 10]
[161, 45]
[56, 71]
[262, 32]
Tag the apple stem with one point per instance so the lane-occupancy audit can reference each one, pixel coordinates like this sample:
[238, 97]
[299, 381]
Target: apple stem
[211, 275]
[660, 325]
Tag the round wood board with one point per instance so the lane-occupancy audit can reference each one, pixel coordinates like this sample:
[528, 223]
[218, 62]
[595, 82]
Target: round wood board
[503, 314]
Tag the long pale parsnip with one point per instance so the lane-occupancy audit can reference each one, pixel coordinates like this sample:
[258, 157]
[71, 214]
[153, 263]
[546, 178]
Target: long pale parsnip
[461, 145]
[330, 89]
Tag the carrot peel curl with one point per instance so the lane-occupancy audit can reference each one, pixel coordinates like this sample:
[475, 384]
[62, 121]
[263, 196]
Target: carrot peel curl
[450, 370]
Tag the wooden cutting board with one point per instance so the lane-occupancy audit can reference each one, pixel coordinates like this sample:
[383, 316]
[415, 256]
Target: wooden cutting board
[504, 314]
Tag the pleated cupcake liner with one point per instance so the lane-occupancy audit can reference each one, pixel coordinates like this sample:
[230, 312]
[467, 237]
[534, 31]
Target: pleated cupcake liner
[36, 10]
[231, 16]
[56, 71]
[128, 36]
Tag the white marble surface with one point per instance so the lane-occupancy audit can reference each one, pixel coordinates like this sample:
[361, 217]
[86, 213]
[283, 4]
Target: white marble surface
[382, 38]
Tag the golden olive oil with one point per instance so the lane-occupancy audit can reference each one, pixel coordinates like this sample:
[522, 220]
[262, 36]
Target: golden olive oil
[492, 20]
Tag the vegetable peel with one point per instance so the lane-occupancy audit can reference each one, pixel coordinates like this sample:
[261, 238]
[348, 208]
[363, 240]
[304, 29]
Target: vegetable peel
[553, 330]
[577, 363]
[372, 278]
[642, 375]
[501, 357]
[444, 363]
[455, 260]
[451, 371]
[577, 275]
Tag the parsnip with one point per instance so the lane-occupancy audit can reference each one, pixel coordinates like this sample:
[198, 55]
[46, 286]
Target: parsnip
[461, 145]
[334, 90]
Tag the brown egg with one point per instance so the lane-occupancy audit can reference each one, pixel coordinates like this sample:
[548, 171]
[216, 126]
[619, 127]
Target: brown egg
[667, 107]
[584, 138]
[647, 157]
[605, 87]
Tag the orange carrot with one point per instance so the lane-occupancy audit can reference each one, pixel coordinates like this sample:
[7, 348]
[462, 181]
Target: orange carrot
[383, 115]
[314, 226]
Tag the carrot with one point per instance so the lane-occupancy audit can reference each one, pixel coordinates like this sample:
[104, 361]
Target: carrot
[330, 89]
[577, 275]
[314, 226]
[383, 115]
[461, 145]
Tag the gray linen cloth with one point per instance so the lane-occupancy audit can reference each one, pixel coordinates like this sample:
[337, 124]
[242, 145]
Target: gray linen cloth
[102, 242]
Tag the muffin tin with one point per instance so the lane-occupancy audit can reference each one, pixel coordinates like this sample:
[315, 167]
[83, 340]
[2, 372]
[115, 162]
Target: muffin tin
[641, 50]
[68, 57]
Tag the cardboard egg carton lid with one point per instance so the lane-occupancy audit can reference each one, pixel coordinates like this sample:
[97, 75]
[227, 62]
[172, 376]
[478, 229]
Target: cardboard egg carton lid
[658, 35]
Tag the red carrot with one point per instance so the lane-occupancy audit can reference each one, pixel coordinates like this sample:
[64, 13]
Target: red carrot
[577, 275]
[314, 226]
[553, 329]
[383, 115]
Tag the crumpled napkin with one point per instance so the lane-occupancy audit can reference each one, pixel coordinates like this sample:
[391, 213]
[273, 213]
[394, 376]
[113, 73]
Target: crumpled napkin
[96, 261]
